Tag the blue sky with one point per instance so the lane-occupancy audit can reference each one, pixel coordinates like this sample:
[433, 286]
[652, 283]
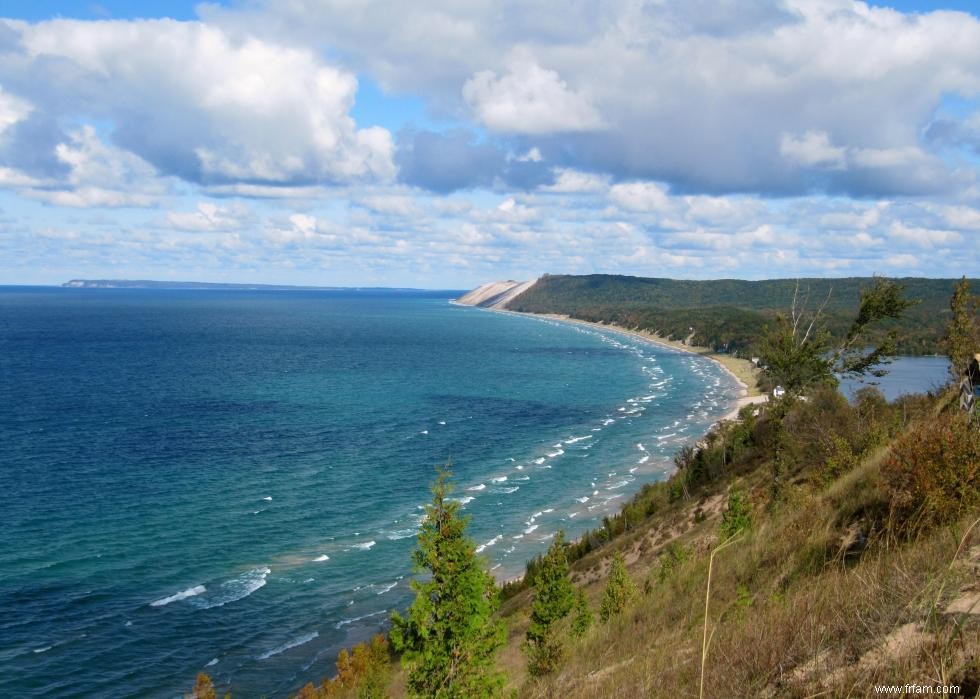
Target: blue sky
[443, 144]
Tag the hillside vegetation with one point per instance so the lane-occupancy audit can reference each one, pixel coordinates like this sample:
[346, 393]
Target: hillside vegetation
[728, 314]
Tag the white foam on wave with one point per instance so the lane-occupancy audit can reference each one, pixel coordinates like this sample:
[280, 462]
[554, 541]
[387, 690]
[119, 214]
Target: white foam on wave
[214, 661]
[234, 589]
[539, 461]
[442, 422]
[42, 649]
[482, 547]
[347, 622]
[584, 499]
[268, 498]
[362, 546]
[643, 460]
[184, 594]
[557, 452]
[531, 528]
[321, 559]
[608, 421]
[478, 487]
[305, 638]
[641, 447]
[401, 534]
[387, 588]
[620, 484]
[666, 436]
[424, 432]
[507, 491]
[498, 479]
[465, 500]
[574, 440]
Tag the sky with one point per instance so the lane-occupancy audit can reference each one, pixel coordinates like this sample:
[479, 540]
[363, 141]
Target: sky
[446, 143]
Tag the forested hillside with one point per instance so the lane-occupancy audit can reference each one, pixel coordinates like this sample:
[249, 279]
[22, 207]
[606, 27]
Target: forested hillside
[726, 314]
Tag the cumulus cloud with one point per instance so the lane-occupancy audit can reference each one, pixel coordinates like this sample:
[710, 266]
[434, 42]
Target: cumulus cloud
[201, 104]
[710, 97]
[528, 99]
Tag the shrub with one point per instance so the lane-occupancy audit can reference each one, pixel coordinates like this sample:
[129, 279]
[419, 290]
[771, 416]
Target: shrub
[737, 515]
[620, 590]
[553, 600]
[933, 473]
[582, 619]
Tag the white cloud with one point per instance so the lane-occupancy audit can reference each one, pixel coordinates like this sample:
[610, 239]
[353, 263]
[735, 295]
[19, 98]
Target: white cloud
[528, 99]
[812, 149]
[12, 110]
[641, 196]
[203, 104]
[570, 181]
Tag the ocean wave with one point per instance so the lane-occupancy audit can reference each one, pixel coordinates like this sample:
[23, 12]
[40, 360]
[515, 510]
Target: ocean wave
[43, 649]
[498, 479]
[184, 594]
[478, 487]
[353, 620]
[539, 461]
[557, 452]
[641, 447]
[493, 541]
[234, 589]
[584, 499]
[531, 528]
[574, 440]
[364, 546]
[387, 588]
[507, 491]
[401, 534]
[643, 460]
[268, 498]
[305, 638]
[214, 661]
[321, 559]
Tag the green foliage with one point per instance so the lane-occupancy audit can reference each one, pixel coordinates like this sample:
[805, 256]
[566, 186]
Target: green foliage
[451, 635]
[362, 673]
[737, 515]
[933, 473]
[582, 618]
[727, 314]
[962, 331]
[553, 600]
[620, 590]
[673, 556]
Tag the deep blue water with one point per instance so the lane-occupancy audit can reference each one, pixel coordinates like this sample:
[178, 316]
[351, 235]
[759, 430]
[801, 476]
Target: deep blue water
[904, 375]
[231, 481]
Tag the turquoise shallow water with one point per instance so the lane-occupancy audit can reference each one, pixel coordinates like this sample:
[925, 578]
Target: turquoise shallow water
[231, 481]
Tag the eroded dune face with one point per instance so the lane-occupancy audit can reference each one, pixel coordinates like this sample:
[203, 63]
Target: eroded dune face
[494, 294]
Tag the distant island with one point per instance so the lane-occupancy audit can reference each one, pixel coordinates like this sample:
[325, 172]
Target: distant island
[155, 284]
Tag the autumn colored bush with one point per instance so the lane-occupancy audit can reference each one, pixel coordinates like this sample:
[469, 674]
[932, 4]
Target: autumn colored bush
[933, 473]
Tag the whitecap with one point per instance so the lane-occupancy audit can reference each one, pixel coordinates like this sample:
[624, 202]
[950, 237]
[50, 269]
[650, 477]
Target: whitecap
[234, 589]
[424, 432]
[573, 440]
[643, 460]
[498, 479]
[531, 528]
[321, 559]
[387, 588]
[442, 422]
[189, 592]
[539, 461]
[550, 509]
[305, 638]
[641, 447]
[494, 540]
[509, 490]
[347, 622]
[362, 546]
[553, 454]
[42, 649]
[268, 498]
[666, 436]
[401, 534]
[584, 499]
[478, 487]
[214, 661]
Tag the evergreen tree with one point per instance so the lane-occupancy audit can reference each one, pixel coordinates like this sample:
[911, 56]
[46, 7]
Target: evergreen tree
[553, 600]
[962, 339]
[620, 590]
[583, 618]
[450, 637]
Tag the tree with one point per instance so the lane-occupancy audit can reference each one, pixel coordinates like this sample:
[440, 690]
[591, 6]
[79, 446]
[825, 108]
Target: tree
[553, 600]
[583, 618]
[450, 637]
[620, 590]
[962, 333]
[204, 687]
[800, 354]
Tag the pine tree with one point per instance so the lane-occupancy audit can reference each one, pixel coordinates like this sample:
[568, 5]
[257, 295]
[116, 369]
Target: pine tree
[962, 331]
[451, 636]
[620, 590]
[583, 618]
[553, 600]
